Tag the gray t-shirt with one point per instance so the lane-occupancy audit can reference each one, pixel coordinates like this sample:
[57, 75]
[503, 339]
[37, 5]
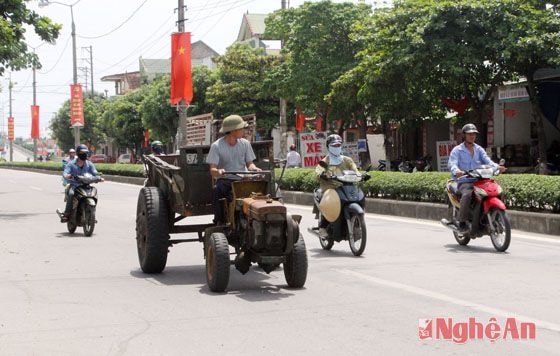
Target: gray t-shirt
[231, 158]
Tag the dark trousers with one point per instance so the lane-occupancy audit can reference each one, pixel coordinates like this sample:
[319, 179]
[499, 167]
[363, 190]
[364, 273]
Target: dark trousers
[69, 198]
[466, 190]
[222, 190]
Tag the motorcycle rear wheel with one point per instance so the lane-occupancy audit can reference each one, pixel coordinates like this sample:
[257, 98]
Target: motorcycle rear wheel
[357, 234]
[452, 213]
[501, 231]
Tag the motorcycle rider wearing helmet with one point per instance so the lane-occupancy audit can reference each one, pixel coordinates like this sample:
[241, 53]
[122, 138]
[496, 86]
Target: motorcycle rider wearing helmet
[464, 157]
[337, 163]
[80, 166]
[157, 148]
[231, 153]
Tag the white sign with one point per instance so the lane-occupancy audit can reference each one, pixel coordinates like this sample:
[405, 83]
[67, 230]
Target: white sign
[443, 150]
[312, 147]
[350, 149]
[376, 146]
[513, 93]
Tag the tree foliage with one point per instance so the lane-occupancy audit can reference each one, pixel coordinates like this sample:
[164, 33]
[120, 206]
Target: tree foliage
[240, 88]
[63, 133]
[14, 18]
[317, 48]
[156, 112]
[122, 120]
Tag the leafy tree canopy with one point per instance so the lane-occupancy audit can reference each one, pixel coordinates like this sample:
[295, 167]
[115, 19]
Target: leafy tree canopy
[14, 17]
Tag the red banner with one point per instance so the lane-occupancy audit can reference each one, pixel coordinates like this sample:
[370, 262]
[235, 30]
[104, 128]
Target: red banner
[146, 138]
[76, 106]
[181, 77]
[460, 106]
[318, 124]
[300, 120]
[34, 121]
[11, 128]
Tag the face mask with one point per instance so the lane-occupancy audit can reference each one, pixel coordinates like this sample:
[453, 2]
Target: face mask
[82, 156]
[158, 150]
[335, 151]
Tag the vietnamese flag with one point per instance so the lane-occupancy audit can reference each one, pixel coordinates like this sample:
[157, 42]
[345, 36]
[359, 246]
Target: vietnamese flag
[34, 121]
[181, 79]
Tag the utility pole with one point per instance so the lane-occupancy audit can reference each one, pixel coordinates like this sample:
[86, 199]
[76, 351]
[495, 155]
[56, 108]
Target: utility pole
[283, 104]
[10, 86]
[34, 103]
[90, 62]
[181, 28]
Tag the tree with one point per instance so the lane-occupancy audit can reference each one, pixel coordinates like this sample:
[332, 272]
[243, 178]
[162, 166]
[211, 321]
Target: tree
[122, 121]
[14, 17]
[317, 49]
[533, 43]
[156, 112]
[62, 132]
[239, 88]
[203, 78]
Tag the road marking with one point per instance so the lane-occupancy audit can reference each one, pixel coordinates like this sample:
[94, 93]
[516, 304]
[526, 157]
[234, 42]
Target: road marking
[35, 188]
[515, 233]
[448, 299]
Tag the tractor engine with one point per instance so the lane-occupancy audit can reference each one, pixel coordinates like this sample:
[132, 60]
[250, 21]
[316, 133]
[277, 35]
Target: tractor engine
[266, 224]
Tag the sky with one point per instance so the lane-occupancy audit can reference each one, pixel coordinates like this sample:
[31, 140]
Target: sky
[119, 32]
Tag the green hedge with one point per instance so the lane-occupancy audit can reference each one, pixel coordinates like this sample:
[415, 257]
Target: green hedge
[529, 192]
[128, 170]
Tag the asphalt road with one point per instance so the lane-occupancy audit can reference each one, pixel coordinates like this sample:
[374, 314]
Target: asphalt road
[67, 294]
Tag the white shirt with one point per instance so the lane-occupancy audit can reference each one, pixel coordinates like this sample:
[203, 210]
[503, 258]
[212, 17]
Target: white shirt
[293, 159]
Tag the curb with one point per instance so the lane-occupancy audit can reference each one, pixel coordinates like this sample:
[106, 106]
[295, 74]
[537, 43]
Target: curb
[541, 223]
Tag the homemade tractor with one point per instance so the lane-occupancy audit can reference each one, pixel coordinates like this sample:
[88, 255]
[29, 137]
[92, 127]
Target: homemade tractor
[258, 228]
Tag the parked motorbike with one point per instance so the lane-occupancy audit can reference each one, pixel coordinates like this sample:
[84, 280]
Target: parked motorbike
[423, 164]
[84, 204]
[487, 214]
[343, 209]
[393, 165]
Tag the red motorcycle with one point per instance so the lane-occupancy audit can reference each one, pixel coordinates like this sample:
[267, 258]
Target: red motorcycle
[487, 215]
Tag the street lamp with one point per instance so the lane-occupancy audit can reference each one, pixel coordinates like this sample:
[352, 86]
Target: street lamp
[43, 3]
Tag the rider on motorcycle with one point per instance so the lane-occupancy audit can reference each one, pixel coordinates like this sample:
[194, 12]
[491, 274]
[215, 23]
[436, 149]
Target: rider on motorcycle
[77, 167]
[157, 148]
[337, 163]
[463, 158]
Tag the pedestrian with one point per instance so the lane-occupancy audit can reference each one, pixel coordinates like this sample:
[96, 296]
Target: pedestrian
[293, 159]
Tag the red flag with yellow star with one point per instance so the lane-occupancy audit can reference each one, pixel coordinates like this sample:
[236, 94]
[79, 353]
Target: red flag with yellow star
[181, 78]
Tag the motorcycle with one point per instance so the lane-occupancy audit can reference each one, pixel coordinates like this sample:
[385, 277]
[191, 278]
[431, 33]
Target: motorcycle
[488, 212]
[423, 164]
[84, 204]
[343, 209]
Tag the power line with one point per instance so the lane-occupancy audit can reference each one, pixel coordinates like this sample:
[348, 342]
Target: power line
[59, 57]
[119, 26]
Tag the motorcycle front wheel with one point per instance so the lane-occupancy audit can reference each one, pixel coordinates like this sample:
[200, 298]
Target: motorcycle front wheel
[500, 231]
[452, 213]
[357, 234]
[88, 219]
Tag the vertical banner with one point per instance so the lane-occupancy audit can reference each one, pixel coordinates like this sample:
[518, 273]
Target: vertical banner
[76, 106]
[146, 138]
[313, 148]
[443, 150]
[10, 128]
[300, 119]
[34, 121]
[181, 76]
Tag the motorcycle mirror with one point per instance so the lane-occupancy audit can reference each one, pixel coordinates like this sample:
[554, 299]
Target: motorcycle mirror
[323, 164]
[502, 162]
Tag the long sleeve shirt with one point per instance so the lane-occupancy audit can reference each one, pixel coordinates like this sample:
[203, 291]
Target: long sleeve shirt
[461, 159]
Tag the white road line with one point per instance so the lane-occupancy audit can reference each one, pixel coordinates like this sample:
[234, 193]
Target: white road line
[35, 188]
[448, 299]
[516, 234]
